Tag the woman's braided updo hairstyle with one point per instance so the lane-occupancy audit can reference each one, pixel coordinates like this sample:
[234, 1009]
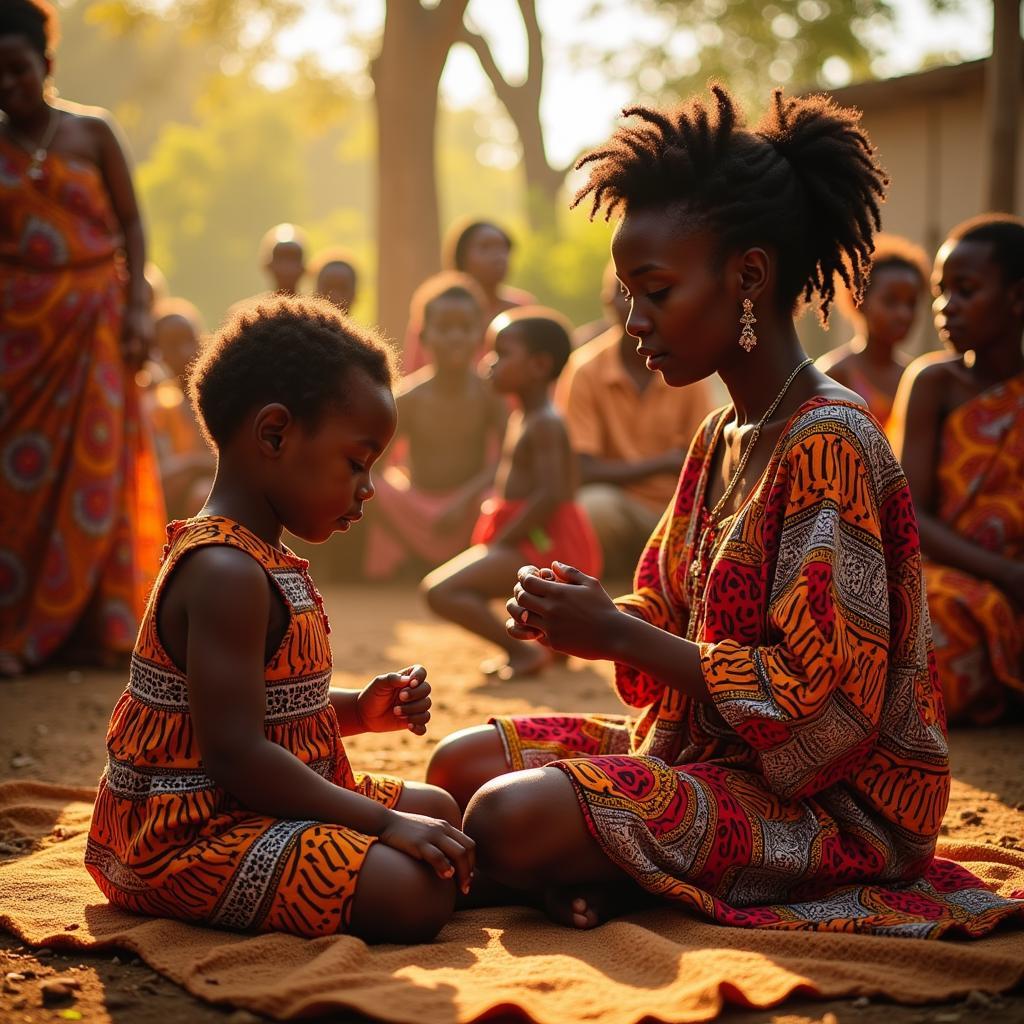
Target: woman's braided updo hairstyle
[805, 182]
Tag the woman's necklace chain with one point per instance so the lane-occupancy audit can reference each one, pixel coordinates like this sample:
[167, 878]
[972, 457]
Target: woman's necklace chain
[705, 544]
[754, 435]
[36, 150]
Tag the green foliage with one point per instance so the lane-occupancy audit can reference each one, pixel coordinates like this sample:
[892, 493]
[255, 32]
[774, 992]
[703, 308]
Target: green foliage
[211, 190]
[750, 46]
[153, 71]
[563, 266]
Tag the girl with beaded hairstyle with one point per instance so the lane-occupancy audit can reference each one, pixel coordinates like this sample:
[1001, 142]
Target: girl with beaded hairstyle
[786, 765]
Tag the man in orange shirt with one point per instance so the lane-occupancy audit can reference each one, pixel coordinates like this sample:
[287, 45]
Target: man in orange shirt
[630, 431]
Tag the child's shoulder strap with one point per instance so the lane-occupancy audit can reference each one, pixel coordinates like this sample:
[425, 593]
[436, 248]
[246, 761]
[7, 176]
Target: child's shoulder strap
[186, 535]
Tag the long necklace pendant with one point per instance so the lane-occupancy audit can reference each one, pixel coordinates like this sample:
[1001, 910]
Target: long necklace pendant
[35, 167]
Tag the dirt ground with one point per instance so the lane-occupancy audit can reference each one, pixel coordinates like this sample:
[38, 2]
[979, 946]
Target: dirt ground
[52, 727]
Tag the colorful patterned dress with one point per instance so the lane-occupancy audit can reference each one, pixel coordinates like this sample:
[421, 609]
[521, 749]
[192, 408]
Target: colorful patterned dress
[808, 793]
[978, 631]
[166, 840]
[80, 497]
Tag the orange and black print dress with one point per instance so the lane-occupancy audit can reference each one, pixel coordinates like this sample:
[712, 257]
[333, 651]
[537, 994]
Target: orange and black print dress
[166, 840]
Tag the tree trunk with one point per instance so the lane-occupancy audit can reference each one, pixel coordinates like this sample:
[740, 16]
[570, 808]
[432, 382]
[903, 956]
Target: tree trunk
[406, 76]
[543, 182]
[1002, 102]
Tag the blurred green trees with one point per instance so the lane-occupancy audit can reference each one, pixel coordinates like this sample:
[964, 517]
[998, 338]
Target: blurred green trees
[223, 157]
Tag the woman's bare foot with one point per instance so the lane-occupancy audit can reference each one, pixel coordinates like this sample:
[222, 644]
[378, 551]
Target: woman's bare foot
[587, 906]
[578, 906]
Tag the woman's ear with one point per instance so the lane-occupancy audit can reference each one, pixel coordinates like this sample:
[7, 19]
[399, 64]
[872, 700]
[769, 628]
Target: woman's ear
[753, 271]
[271, 428]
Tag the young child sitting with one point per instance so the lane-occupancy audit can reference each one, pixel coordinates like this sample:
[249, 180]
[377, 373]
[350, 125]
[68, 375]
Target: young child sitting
[282, 258]
[227, 797]
[451, 423]
[964, 458]
[869, 363]
[534, 516]
[186, 463]
[335, 278]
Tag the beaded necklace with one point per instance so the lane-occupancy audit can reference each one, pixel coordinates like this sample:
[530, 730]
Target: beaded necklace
[709, 521]
[36, 150]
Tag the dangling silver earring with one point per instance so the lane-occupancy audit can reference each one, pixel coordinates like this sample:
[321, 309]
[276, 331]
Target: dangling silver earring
[748, 339]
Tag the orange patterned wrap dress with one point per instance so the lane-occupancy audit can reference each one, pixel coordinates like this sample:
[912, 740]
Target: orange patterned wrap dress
[166, 840]
[80, 500]
[808, 793]
[978, 629]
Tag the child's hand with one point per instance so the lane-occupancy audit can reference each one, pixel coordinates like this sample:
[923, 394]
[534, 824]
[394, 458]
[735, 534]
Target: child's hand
[398, 700]
[435, 842]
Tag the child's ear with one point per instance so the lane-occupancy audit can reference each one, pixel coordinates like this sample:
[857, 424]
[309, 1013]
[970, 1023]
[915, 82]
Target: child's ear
[271, 428]
[544, 364]
[1017, 298]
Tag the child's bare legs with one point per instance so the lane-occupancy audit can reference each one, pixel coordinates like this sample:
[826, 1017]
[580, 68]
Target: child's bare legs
[461, 591]
[399, 899]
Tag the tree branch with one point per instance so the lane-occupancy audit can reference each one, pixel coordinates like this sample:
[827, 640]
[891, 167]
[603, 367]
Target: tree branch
[505, 92]
[535, 48]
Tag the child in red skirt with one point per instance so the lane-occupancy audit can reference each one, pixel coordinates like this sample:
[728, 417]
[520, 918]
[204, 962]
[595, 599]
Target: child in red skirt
[533, 519]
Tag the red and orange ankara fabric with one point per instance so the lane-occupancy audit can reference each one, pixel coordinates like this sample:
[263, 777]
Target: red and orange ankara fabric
[808, 793]
[977, 629]
[80, 497]
[166, 840]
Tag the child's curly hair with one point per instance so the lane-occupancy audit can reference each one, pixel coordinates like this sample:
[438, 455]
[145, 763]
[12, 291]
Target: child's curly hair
[449, 284]
[805, 182]
[1004, 232]
[301, 352]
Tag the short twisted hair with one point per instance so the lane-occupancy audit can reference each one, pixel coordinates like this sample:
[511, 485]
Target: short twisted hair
[1004, 232]
[805, 181]
[300, 352]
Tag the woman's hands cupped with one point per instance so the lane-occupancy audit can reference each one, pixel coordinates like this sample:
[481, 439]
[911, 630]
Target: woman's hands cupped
[564, 609]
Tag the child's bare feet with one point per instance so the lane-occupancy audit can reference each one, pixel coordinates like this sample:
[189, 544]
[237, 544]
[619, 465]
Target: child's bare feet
[528, 662]
[11, 666]
[492, 666]
[501, 665]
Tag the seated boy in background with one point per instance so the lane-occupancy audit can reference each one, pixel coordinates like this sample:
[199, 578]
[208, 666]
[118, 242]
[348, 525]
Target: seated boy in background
[533, 519]
[335, 278]
[630, 431]
[451, 423]
[282, 257]
[186, 463]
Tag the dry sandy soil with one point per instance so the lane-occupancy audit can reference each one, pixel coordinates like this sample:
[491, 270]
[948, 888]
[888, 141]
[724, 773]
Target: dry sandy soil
[52, 727]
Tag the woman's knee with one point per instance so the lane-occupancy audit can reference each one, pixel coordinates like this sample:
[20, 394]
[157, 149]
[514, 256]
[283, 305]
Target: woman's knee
[399, 899]
[508, 819]
[430, 800]
[463, 761]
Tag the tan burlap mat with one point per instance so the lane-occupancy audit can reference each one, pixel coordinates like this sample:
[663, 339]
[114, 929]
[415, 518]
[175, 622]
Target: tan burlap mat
[662, 965]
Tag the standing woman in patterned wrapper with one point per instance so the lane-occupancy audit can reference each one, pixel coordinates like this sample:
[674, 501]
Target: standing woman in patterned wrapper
[80, 493]
[786, 764]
